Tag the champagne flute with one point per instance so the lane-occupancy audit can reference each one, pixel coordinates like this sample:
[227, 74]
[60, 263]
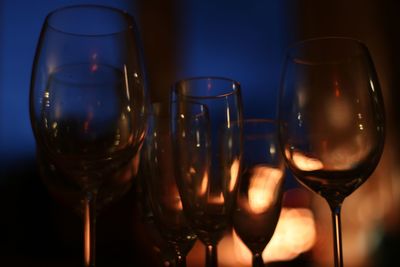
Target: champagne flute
[259, 197]
[165, 201]
[331, 120]
[208, 155]
[88, 104]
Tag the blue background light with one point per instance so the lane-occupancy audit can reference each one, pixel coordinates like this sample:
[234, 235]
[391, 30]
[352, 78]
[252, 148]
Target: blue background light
[20, 24]
[243, 40]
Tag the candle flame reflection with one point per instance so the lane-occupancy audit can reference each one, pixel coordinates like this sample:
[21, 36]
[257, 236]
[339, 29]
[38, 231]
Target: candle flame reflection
[264, 188]
[294, 234]
[306, 163]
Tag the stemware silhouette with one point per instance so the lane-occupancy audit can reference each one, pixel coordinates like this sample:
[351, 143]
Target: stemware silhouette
[259, 197]
[163, 194]
[331, 120]
[208, 155]
[88, 105]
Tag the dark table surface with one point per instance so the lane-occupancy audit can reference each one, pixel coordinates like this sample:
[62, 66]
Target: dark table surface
[36, 230]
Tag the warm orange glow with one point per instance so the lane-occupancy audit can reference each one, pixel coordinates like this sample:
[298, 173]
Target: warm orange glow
[294, 234]
[216, 199]
[305, 163]
[176, 203]
[178, 206]
[172, 199]
[263, 188]
[337, 89]
[87, 233]
[177, 199]
[204, 184]
[337, 92]
[234, 174]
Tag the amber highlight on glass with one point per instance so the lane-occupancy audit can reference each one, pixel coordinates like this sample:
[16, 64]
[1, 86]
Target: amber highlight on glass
[208, 155]
[331, 117]
[88, 106]
[259, 197]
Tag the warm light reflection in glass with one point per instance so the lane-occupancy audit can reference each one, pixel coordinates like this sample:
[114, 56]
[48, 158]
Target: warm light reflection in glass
[305, 163]
[294, 234]
[355, 150]
[263, 188]
[178, 204]
[228, 117]
[204, 184]
[216, 199]
[234, 174]
[172, 200]
[87, 233]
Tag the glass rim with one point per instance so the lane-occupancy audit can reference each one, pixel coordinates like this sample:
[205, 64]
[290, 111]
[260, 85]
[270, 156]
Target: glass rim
[234, 90]
[129, 25]
[290, 54]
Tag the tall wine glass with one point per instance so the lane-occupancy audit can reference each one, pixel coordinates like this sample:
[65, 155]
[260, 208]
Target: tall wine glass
[88, 104]
[165, 201]
[259, 197]
[208, 155]
[331, 120]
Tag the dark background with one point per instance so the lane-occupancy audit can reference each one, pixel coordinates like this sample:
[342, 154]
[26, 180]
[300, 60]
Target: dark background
[244, 40]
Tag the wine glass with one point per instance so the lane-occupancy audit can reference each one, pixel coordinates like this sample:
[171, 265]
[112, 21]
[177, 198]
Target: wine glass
[259, 197]
[331, 120]
[88, 104]
[164, 198]
[208, 155]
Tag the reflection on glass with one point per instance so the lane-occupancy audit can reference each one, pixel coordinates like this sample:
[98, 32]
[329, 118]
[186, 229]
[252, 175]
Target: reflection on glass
[295, 233]
[208, 147]
[331, 120]
[82, 83]
[259, 197]
[163, 195]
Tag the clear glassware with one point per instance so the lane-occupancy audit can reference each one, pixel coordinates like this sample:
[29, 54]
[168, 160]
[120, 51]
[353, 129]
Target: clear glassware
[261, 185]
[88, 105]
[163, 194]
[332, 124]
[208, 155]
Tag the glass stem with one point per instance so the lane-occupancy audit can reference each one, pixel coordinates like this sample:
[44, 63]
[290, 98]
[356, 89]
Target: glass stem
[211, 256]
[257, 260]
[89, 226]
[337, 234]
